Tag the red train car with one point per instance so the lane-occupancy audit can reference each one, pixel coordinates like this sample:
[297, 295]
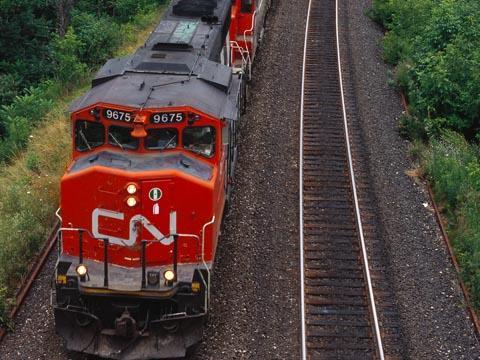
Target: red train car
[154, 148]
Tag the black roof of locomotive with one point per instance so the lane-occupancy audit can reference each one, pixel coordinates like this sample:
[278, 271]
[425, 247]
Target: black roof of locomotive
[177, 66]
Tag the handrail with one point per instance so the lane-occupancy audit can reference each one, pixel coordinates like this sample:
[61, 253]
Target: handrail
[57, 214]
[235, 46]
[144, 243]
[251, 31]
[204, 263]
[143, 256]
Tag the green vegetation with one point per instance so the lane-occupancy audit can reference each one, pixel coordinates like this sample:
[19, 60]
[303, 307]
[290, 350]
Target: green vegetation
[48, 52]
[49, 47]
[435, 47]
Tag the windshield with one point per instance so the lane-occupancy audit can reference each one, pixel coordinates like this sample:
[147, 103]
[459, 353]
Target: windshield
[161, 139]
[121, 137]
[200, 140]
[88, 135]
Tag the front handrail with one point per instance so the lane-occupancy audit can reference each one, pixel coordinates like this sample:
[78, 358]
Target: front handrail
[181, 235]
[144, 243]
[204, 228]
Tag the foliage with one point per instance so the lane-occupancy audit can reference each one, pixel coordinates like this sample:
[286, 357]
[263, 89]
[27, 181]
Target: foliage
[97, 37]
[54, 45]
[26, 27]
[66, 52]
[435, 46]
[453, 166]
[19, 117]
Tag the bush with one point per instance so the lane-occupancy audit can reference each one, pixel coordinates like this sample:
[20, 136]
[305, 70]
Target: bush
[440, 42]
[18, 118]
[26, 27]
[33, 105]
[66, 52]
[453, 166]
[9, 88]
[447, 167]
[125, 10]
[99, 37]
[411, 127]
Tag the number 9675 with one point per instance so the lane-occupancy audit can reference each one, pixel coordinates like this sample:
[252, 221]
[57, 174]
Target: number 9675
[118, 115]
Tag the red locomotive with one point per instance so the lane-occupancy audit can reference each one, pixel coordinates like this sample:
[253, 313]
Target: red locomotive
[154, 148]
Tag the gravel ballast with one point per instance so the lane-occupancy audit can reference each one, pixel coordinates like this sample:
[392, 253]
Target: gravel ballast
[433, 318]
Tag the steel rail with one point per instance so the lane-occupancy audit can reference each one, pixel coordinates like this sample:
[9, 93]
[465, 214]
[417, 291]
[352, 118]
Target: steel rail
[302, 256]
[355, 197]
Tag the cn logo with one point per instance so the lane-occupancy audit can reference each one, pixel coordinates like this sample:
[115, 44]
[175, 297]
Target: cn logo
[133, 229]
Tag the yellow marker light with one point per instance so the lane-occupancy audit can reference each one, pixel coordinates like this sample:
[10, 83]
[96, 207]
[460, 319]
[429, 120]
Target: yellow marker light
[131, 201]
[81, 270]
[131, 189]
[169, 275]
[195, 287]
[62, 279]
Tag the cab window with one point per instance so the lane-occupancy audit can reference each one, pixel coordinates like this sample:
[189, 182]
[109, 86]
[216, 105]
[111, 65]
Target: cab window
[120, 136]
[88, 135]
[200, 140]
[161, 139]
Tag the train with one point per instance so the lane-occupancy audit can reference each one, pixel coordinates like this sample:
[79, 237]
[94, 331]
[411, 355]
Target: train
[154, 148]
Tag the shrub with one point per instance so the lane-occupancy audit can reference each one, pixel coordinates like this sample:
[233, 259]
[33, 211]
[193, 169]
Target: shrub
[411, 127]
[125, 10]
[66, 52]
[453, 166]
[33, 105]
[440, 43]
[9, 87]
[26, 27]
[447, 168]
[99, 37]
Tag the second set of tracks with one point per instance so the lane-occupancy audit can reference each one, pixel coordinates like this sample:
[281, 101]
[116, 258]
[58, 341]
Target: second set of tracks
[346, 312]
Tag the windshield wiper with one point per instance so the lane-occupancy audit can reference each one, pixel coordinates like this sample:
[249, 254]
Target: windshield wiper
[84, 138]
[115, 139]
[169, 142]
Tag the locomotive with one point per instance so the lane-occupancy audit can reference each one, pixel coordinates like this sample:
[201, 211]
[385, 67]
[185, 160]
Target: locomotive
[154, 152]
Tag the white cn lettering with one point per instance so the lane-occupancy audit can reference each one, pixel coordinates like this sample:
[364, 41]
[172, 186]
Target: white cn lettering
[133, 229]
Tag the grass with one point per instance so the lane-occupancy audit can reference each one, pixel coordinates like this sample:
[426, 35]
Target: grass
[452, 165]
[29, 186]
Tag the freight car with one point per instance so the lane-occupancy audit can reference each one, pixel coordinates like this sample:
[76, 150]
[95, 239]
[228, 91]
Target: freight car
[154, 151]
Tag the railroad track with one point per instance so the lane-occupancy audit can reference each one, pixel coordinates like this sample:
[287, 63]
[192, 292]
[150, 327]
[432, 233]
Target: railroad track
[35, 269]
[339, 305]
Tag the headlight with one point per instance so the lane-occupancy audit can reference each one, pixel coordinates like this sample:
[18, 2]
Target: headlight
[169, 275]
[81, 270]
[131, 201]
[131, 189]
